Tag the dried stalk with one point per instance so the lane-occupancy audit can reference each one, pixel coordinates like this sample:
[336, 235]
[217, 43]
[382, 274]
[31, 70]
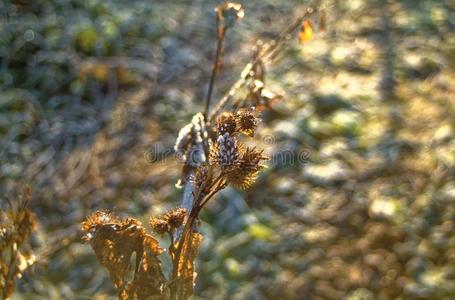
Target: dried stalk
[268, 50]
[264, 55]
[220, 34]
[214, 157]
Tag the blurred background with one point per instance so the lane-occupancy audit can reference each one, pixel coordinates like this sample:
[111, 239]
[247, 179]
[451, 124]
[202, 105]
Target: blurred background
[93, 94]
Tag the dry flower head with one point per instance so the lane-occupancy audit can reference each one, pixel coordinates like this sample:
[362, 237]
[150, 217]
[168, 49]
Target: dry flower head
[226, 123]
[239, 165]
[228, 13]
[248, 168]
[169, 221]
[247, 121]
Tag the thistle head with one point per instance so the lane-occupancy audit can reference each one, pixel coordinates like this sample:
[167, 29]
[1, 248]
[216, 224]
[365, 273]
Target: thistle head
[247, 168]
[247, 121]
[169, 221]
[225, 152]
[226, 123]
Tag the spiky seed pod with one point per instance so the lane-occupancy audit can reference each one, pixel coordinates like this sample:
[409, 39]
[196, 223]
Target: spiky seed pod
[248, 168]
[225, 152]
[159, 225]
[97, 220]
[169, 221]
[176, 217]
[246, 121]
[226, 123]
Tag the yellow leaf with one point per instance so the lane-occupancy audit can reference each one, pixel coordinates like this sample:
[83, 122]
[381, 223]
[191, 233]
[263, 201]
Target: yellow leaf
[306, 32]
[260, 231]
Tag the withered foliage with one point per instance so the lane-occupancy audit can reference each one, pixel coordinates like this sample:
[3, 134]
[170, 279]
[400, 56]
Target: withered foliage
[182, 286]
[114, 241]
[214, 156]
[16, 226]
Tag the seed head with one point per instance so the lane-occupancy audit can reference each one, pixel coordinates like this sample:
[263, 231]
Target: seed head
[225, 152]
[247, 169]
[229, 13]
[226, 123]
[247, 121]
[169, 221]
[159, 225]
[176, 217]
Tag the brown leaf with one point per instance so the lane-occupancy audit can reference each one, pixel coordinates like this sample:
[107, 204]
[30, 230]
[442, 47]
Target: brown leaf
[114, 241]
[149, 280]
[186, 272]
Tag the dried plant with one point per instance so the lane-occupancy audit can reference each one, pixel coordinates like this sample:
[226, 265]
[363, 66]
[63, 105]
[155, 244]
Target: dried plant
[214, 156]
[114, 241]
[16, 226]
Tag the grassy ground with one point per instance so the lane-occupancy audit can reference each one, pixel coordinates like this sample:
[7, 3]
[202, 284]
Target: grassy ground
[92, 91]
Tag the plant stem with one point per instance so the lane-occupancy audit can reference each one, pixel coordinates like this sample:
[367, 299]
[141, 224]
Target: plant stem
[220, 33]
[198, 204]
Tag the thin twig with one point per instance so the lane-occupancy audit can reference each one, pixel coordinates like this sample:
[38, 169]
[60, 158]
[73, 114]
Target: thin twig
[220, 34]
[220, 185]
